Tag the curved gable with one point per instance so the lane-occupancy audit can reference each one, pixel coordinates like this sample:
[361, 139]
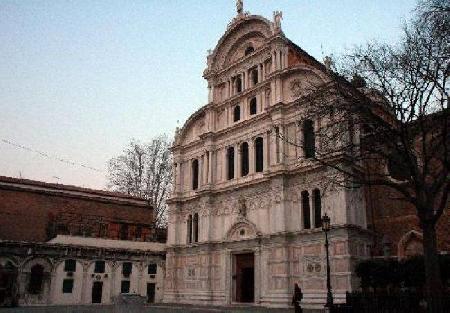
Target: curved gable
[250, 30]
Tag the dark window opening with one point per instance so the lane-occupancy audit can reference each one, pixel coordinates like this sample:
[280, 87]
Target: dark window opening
[152, 269]
[99, 267]
[238, 84]
[123, 232]
[253, 106]
[249, 50]
[244, 159]
[306, 210]
[67, 285]
[230, 160]
[125, 286]
[254, 76]
[36, 279]
[127, 268]
[70, 265]
[189, 229]
[317, 208]
[195, 235]
[138, 232]
[309, 141]
[237, 113]
[195, 173]
[397, 166]
[259, 154]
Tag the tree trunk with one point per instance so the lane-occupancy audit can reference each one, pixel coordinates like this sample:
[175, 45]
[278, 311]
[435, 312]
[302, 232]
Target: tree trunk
[433, 283]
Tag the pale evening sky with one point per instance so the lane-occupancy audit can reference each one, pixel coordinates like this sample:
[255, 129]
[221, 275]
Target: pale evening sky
[78, 79]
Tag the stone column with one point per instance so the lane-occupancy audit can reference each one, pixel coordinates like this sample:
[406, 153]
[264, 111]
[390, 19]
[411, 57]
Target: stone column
[311, 209]
[267, 151]
[84, 284]
[140, 268]
[224, 165]
[251, 156]
[263, 71]
[112, 291]
[274, 61]
[210, 166]
[282, 143]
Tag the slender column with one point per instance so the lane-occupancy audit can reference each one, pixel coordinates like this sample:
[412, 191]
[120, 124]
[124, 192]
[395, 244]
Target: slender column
[274, 61]
[311, 209]
[282, 143]
[263, 71]
[260, 72]
[267, 151]
[210, 166]
[251, 156]
[224, 164]
[200, 171]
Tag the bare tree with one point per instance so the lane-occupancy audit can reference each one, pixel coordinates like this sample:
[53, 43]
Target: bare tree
[389, 127]
[144, 170]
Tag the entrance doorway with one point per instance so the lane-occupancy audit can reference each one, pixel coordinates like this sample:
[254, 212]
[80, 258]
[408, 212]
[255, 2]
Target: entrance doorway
[97, 290]
[244, 278]
[150, 292]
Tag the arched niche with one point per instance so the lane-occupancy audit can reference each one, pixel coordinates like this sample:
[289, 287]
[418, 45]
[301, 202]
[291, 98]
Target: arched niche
[410, 244]
[242, 230]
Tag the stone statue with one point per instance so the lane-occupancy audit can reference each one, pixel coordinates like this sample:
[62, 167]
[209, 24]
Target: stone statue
[328, 61]
[239, 6]
[277, 17]
[242, 207]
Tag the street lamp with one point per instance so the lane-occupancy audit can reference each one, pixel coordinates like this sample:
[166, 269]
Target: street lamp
[326, 228]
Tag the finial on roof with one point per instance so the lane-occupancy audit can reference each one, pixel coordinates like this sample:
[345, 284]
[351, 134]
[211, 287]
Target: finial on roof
[239, 6]
[328, 61]
[277, 17]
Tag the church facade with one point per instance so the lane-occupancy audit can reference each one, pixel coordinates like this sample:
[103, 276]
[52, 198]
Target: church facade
[245, 215]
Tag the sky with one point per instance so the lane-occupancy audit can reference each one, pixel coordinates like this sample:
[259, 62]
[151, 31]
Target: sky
[79, 79]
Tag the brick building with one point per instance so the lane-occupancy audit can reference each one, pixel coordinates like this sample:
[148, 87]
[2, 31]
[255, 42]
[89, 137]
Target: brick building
[69, 245]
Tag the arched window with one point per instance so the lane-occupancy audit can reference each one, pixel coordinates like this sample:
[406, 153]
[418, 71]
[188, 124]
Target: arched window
[244, 159]
[230, 163]
[306, 210]
[195, 173]
[259, 154]
[195, 228]
[253, 106]
[317, 208]
[237, 113]
[238, 84]
[36, 279]
[249, 50]
[309, 141]
[254, 76]
[189, 229]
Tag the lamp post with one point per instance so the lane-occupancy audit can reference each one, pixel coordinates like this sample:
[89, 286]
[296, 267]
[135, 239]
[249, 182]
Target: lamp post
[326, 228]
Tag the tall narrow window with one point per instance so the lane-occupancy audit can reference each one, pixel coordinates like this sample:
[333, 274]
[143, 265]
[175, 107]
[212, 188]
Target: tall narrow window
[127, 268]
[317, 208]
[306, 210]
[189, 229]
[237, 113]
[253, 106]
[254, 76]
[70, 265]
[259, 154]
[125, 286]
[36, 279]
[124, 231]
[244, 159]
[195, 234]
[195, 173]
[230, 163]
[99, 267]
[67, 285]
[309, 141]
[238, 84]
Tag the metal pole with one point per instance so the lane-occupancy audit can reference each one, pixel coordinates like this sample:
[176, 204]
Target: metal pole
[329, 303]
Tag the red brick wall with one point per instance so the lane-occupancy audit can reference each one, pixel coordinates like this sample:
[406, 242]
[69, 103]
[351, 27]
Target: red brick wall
[394, 218]
[24, 215]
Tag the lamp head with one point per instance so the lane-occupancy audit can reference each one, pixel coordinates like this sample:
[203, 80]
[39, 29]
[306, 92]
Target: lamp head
[326, 223]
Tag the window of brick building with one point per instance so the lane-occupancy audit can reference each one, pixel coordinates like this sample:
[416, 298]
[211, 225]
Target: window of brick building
[99, 267]
[244, 159]
[195, 228]
[36, 279]
[254, 76]
[259, 154]
[317, 208]
[125, 286]
[127, 268]
[189, 229]
[230, 162]
[238, 84]
[67, 285]
[309, 141]
[237, 113]
[249, 50]
[70, 265]
[152, 268]
[195, 174]
[306, 210]
[253, 107]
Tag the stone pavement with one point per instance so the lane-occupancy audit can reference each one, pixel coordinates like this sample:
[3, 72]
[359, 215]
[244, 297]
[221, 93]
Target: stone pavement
[156, 308]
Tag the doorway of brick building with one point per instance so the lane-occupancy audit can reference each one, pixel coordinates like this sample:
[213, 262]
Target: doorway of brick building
[97, 290]
[151, 292]
[244, 277]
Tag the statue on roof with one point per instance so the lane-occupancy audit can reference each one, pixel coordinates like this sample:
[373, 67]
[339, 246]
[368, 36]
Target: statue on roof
[277, 17]
[239, 6]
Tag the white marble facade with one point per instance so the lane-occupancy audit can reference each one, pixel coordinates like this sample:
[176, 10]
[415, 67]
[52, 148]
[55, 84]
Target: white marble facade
[245, 185]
